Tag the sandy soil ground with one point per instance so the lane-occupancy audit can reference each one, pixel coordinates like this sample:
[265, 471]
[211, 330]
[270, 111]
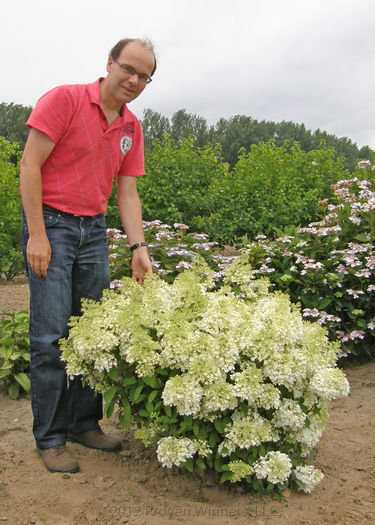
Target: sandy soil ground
[131, 487]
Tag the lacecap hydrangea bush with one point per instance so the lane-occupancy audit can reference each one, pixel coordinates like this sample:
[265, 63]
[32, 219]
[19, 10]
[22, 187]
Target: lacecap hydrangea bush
[329, 266]
[231, 379]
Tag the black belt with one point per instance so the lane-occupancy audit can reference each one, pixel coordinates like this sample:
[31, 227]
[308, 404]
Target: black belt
[55, 210]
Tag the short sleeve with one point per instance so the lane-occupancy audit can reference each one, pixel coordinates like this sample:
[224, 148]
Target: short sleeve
[133, 164]
[52, 113]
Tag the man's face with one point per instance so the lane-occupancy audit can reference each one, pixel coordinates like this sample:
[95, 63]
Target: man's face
[125, 86]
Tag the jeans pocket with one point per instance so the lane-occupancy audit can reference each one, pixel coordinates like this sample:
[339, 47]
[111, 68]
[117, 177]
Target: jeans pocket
[51, 218]
[100, 221]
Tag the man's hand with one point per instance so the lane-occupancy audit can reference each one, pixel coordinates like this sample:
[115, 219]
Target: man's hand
[38, 254]
[37, 149]
[131, 217]
[141, 264]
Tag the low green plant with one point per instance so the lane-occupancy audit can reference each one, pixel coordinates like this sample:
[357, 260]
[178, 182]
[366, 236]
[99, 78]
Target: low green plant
[230, 379]
[14, 353]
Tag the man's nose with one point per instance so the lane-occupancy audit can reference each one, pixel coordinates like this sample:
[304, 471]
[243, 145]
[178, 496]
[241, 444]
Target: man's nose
[134, 78]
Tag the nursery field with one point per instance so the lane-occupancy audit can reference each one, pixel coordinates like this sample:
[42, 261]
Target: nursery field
[131, 487]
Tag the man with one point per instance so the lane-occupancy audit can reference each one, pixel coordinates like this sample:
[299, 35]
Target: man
[81, 137]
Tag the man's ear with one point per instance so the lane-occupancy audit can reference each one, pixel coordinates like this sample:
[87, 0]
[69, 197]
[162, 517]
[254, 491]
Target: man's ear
[110, 62]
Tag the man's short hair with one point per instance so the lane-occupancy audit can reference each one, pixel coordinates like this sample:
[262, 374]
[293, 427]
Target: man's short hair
[116, 50]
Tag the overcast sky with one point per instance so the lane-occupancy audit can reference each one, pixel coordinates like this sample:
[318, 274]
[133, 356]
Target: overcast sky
[309, 61]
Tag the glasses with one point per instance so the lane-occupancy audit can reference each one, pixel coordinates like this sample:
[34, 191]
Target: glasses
[142, 78]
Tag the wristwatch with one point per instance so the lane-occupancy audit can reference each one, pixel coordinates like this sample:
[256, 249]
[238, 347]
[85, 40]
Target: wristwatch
[137, 245]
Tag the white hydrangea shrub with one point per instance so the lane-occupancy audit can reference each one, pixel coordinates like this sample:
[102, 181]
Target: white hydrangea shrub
[238, 354]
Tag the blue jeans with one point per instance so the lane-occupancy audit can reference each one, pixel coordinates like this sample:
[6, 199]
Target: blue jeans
[78, 268]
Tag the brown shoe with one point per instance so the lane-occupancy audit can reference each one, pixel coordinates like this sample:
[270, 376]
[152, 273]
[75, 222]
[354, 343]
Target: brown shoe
[58, 459]
[96, 439]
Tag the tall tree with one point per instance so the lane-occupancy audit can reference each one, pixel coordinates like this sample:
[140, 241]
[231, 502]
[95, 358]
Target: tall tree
[239, 132]
[366, 153]
[343, 146]
[12, 122]
[185, 124]
[292, 132]
[154, 126]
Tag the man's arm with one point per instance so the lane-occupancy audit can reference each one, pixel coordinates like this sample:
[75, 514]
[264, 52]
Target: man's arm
[131, 217]
[38, 148]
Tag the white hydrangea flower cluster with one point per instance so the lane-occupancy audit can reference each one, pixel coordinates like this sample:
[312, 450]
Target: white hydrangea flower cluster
[184, 393]
[309, 436]
[218, 397]
[329, 384]
[240, 470]
[174, 451]
[247, 431]
[248, 383]
[93, 340]
[308, 477]
[289, 415]
[224, 351]
[148, 433]
[275, 467]
[269, 397]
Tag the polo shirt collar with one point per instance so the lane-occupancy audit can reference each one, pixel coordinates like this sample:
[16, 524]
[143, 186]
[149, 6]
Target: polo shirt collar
[94, 96]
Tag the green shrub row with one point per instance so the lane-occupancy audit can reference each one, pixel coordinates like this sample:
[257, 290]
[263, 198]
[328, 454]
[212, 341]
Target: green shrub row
[11, 259]
[269, 189]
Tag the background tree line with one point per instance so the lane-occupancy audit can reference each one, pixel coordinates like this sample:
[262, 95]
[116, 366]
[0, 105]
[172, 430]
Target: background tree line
[232, 134]
[243, 131]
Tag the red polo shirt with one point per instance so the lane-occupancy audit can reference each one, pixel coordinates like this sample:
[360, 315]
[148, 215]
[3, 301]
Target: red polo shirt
[78, 175]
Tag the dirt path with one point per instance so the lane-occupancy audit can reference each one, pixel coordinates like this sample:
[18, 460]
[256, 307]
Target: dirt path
[132, 488]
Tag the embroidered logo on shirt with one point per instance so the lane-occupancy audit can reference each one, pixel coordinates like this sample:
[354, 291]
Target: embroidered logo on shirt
[125, 144]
